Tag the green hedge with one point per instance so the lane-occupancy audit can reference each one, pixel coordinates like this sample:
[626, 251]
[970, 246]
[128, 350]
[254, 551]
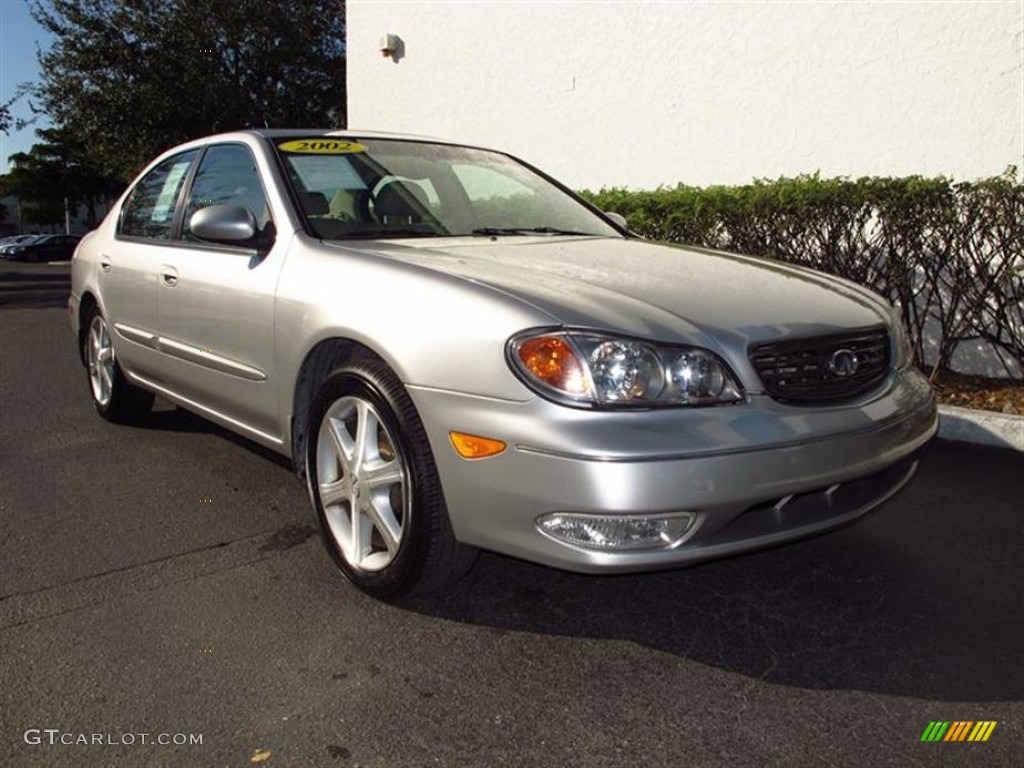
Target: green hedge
[950, 255]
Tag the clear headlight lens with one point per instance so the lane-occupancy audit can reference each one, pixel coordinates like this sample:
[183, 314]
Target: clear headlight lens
[583, 368]
[626, 370]
[698, 374]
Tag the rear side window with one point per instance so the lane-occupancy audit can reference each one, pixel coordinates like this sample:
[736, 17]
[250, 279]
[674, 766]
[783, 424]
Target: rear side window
[150, 209]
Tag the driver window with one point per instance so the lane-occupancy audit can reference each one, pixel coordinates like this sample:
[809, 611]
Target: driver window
[227, 175]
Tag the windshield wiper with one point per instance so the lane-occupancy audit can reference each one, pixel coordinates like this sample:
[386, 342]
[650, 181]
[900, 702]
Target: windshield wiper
[495, 231]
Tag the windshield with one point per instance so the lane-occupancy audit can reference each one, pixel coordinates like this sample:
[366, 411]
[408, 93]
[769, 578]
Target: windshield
[372, 188]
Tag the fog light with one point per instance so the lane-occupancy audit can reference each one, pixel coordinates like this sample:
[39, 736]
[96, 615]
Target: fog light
[609, 533]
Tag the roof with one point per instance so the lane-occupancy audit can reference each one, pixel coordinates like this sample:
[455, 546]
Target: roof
[271, 133]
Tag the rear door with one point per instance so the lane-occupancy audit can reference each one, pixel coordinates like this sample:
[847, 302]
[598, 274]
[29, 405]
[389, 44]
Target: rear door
[130, 263]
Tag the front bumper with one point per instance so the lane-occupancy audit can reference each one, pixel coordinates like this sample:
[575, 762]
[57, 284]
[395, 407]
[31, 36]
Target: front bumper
[755, 475]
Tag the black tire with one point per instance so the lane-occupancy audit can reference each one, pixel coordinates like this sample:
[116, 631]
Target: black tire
[126, 403]
[427, 557]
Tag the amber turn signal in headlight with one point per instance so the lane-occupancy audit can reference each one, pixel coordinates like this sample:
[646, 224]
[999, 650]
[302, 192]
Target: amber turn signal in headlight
[552, 361]
[474, 446]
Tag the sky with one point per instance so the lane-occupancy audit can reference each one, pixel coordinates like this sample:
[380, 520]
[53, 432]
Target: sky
[19, 38]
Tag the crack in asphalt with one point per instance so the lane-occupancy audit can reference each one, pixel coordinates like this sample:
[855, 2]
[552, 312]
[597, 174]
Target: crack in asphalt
[123, 569]
[21, 608]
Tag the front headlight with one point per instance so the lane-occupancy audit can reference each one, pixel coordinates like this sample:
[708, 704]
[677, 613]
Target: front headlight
[583, 368]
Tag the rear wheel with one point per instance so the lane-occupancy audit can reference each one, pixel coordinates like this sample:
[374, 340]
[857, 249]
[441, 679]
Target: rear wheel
[114, 398]
[375, 489]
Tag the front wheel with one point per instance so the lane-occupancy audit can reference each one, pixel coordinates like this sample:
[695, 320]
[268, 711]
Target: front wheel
[375, 489]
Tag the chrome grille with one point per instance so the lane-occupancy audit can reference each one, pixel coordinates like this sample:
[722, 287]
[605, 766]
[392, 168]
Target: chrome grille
[818, 370]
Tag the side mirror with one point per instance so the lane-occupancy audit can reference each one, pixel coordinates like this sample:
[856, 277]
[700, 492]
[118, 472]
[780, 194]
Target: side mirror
[618, 218]
[223, 224]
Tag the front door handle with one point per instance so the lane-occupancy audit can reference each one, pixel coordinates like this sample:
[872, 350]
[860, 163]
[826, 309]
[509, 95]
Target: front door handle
[168, 276]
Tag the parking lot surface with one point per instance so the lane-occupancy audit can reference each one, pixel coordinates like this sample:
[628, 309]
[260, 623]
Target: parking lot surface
[167, 580]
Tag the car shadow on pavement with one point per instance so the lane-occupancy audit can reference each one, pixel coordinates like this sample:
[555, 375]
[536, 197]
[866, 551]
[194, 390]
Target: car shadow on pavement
[167, 417]
[922, 598]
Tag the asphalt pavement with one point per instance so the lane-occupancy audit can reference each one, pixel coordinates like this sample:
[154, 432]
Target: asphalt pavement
[164, 582]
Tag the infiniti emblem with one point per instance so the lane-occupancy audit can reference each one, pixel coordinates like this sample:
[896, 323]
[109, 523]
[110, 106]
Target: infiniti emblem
[844, 363]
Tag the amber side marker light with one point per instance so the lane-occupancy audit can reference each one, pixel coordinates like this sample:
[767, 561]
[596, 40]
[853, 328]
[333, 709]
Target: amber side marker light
[474, 446]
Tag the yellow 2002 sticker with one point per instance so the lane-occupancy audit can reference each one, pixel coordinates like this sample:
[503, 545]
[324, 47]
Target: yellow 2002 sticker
[322, 146]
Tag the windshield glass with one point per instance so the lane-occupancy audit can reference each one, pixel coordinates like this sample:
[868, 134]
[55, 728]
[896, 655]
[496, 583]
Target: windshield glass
[371, 188]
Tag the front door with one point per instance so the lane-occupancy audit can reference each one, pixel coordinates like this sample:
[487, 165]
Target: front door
[216, 301]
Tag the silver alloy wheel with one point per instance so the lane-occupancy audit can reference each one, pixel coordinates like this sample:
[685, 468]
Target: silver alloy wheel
[362, 483]
[101, 361]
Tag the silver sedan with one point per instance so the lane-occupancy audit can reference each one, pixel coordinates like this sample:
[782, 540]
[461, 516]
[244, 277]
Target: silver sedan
[457, 353]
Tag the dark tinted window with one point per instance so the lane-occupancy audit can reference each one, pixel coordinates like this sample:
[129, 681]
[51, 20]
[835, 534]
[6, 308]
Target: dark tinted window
[227, 175]
[150, 209]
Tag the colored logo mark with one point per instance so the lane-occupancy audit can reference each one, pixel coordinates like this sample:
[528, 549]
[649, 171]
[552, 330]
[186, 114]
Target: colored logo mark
[958, 730]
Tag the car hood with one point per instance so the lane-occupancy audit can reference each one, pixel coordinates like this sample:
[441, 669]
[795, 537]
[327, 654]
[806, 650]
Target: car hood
[650, 290]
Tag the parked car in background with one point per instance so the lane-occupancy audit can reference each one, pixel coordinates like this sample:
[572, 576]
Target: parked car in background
[10, 242]
[43, 248]
[12, 239]
[457, 352]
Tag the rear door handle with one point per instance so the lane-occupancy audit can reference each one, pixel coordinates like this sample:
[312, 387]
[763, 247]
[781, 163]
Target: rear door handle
[168, 276]
[105, 263]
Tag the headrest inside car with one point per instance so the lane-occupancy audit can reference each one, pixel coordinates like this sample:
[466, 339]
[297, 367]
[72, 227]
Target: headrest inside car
[398, 198]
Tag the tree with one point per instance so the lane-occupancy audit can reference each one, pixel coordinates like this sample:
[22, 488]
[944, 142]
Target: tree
[54, 172]
[7, 120]
[130, 78]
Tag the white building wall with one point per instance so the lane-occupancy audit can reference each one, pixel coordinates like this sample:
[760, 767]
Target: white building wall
[639, 94]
